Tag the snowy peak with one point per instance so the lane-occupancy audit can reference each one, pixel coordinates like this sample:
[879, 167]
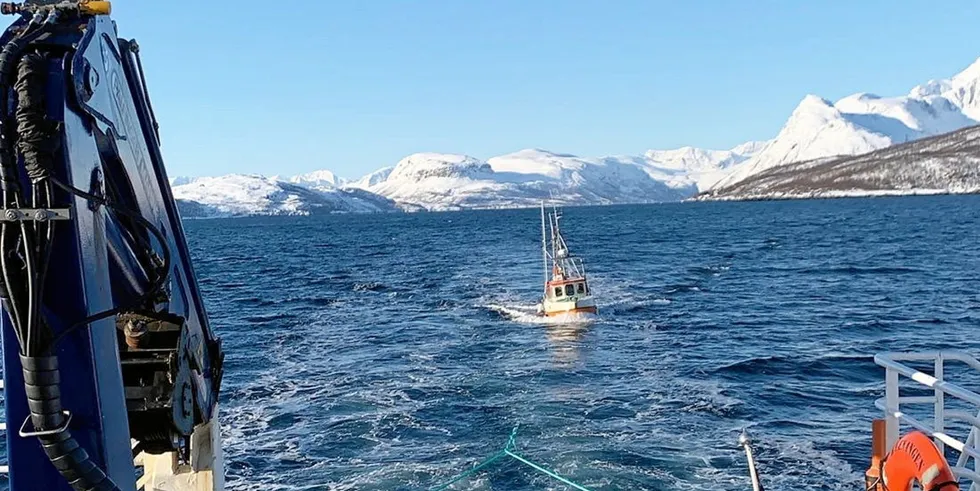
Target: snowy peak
[247, 194]
[420, 166]
[749, 149]
[943, 164]
[535, 161]
[903, 118]
[372, 179]
[864, 122]
[688, 157]
[968, 76]
[181, 180]
[813, 109]
[320, 179]
[964, 90]
[696, 168]
[815, 129]
[930, 88]
[523, 178]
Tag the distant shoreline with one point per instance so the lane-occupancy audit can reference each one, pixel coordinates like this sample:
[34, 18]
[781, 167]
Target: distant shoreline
[696, 199]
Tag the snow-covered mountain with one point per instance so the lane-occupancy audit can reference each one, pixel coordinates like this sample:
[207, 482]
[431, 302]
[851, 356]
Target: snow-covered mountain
[245, 195]
[433, 181]
[948, 163]
[446, 181]
[817, 131]
[865, 122]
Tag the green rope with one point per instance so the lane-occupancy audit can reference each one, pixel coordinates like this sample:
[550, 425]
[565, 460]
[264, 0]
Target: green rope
[470, 472]
[552, 474]
[508, 452]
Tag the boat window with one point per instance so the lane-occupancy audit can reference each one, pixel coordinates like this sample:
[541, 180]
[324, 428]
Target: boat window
[557, 291]
[581, 288]
[569, 289]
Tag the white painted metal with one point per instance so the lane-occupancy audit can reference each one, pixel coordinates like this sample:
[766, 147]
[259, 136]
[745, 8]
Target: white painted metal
[205, 472]
[896, 368]
[746, 443]
[4, 469]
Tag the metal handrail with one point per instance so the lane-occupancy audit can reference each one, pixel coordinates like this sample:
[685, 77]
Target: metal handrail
[4, 469]
[894, 417]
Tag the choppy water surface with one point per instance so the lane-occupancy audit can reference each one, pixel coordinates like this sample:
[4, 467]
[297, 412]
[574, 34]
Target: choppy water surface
[391, 352]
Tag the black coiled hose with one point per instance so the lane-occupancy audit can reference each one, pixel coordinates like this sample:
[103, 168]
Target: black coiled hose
[9, 57]
[35, 133]
[41, 378]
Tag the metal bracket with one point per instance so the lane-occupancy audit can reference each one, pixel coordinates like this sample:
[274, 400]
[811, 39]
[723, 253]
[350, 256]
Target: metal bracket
[35, 214]
[25, 434]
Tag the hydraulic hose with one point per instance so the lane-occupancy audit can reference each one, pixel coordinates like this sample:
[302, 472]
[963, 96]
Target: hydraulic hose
[35, 133]
[37, 141]
[41, 378]
[9, 58]
[10, 185]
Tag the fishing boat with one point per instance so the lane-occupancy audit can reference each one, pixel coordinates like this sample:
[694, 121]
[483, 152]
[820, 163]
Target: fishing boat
[566, 288]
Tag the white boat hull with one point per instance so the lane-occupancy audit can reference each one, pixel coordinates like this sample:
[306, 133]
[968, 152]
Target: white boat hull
[564, 306]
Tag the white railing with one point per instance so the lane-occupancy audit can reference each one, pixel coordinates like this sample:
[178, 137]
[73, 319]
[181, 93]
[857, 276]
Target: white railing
[893, 401]
[3, 427]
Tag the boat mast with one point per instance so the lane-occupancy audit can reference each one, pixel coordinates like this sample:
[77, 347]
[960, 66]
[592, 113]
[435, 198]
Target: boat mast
[552, 222]
[544, 249]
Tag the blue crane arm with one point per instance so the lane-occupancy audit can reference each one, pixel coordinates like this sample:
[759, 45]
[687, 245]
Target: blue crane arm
[105, 337]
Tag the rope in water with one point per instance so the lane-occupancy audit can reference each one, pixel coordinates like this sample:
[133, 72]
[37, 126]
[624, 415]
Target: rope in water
[509, 451]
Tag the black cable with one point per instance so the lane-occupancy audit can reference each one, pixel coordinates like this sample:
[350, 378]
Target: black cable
[10, 301]
[9, 58]
[9, 176]
[41, 375]
[146, 92]
[32, 289]
[161, 277]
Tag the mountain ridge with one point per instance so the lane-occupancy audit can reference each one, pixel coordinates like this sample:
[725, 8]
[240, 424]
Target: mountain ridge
[948, 163]
[816, 130]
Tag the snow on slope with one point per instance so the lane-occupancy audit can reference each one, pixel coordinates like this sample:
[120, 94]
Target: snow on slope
[816, 131]
[948, 163]
[963, 90]
[865, 122]
[180, 180]
[447, 181]
[688, 166]
[244, 195]
[320, 179]
[372, 178]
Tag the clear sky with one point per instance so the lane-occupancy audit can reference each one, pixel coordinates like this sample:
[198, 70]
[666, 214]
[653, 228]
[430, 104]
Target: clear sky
[356, 85]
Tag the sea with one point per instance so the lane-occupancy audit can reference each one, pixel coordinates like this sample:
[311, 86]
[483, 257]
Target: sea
[396, 351]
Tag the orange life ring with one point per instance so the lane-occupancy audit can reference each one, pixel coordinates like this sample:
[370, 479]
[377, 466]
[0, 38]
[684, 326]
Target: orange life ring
[916, 458]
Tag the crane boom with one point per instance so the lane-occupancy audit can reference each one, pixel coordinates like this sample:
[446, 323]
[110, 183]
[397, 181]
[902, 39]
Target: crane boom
[105, 337]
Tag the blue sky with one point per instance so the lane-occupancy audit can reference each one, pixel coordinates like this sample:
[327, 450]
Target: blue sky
[356, 85]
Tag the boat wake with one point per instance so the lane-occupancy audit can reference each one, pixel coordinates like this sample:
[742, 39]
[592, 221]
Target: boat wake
[529, 314]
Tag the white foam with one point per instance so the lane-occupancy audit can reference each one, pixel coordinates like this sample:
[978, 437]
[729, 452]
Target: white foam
[526, 314]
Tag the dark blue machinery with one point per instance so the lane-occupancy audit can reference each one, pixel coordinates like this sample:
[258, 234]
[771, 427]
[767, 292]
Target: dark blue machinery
[105, 338]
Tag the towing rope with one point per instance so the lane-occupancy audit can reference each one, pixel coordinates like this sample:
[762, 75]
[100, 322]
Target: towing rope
[510, 450]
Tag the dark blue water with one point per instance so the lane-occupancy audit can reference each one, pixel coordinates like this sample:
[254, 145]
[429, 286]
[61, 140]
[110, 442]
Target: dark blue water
[393, 351]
